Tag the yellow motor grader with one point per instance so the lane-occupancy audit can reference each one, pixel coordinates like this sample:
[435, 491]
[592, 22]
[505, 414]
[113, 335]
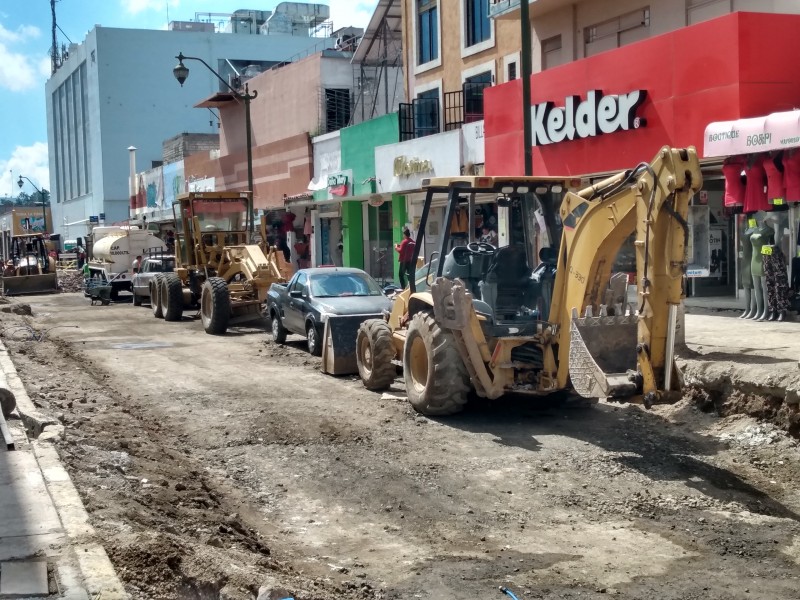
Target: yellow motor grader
[482, 318]
[215, 268]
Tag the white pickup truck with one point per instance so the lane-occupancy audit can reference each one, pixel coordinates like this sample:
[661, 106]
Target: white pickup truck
[149, 268]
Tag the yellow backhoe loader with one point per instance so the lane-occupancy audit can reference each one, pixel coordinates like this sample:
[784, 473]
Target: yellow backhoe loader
[215, 267]
[29, 268]
[480, 318]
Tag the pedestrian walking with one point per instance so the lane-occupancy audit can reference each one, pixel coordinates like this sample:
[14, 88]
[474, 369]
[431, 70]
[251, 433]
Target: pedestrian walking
[406, 251]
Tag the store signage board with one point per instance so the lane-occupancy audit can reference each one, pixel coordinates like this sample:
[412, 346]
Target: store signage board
[760, 134]
[596, 115]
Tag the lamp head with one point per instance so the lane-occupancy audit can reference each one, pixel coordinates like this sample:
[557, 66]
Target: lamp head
[19, 181]
[181, 71]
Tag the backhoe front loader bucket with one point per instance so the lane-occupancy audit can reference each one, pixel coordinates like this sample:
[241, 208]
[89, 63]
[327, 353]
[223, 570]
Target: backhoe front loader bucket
[602, 356]
[30, 284]
[339, 343]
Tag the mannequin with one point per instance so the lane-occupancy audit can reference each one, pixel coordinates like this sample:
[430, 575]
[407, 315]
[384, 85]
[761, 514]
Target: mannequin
[747, 275]
[777, 282]
[758, 239]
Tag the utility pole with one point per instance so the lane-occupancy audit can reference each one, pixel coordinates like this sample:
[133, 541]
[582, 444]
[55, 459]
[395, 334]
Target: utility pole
[525, 58]
[54, 49]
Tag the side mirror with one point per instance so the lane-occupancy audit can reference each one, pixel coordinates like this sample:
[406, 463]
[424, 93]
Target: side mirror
[296, 293]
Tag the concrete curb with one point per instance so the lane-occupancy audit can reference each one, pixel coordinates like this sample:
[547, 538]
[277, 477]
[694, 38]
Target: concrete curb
[97, 575]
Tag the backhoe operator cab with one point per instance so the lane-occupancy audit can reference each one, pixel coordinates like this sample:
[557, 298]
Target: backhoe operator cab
[538, 316]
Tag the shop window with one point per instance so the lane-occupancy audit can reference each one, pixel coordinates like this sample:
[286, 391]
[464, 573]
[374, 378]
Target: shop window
[511, 71]
[427, 31]
[703, 10]
[551, 52]
[617, 32]
[478, 26]
[337, 109]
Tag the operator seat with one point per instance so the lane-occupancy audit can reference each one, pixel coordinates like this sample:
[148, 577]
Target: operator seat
[543, 277]
[507, 281]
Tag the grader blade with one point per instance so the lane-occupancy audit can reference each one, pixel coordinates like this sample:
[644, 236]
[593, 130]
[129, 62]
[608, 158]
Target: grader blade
[339, 343]
[602, 355]
[21, 285]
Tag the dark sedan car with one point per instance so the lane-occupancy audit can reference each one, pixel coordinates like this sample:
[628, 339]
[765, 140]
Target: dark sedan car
[304, 304]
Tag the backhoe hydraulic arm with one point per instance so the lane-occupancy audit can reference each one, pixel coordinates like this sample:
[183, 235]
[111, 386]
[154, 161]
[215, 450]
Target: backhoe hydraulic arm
[610, 350]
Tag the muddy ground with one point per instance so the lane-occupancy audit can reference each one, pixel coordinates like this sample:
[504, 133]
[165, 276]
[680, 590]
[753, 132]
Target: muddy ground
[212, 466]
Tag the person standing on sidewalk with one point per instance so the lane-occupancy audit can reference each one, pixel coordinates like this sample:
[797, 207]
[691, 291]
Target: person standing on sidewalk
[406, 251]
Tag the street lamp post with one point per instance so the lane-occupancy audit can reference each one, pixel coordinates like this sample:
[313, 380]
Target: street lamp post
[20, 183]
[181, 73]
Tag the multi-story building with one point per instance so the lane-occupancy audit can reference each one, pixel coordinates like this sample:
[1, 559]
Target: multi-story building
[116, 89]
[613, 81]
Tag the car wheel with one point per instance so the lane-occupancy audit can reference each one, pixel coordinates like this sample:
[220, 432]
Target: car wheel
[137, 299]
[278, 330]
[313, 340]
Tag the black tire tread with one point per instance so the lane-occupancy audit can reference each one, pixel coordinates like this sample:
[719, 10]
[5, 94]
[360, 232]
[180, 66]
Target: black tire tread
[217, 324]
[383, 372]
[172, 301]
[450, 383]
[155, 295]
[282, 332]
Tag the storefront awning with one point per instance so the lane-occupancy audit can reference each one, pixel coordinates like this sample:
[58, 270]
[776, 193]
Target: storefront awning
[760, 134]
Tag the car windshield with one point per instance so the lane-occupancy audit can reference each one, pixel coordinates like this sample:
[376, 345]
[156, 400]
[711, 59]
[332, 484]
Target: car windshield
[337, 285]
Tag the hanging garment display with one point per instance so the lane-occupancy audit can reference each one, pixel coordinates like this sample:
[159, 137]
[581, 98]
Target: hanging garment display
[776, 190]
[734, 185]
[755, 196]
[791, 174]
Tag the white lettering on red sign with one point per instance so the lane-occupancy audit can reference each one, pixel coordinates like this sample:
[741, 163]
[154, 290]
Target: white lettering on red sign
[596, 115]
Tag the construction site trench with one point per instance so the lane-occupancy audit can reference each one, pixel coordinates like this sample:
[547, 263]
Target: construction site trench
[229, 466]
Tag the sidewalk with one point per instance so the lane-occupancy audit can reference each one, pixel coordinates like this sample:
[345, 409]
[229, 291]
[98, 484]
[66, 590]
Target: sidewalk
[47, 546]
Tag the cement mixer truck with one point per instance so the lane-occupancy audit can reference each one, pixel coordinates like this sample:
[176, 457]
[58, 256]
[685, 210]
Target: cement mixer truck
[114, 248]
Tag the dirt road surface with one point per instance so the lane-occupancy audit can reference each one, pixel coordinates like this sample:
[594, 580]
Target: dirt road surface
[212, 466]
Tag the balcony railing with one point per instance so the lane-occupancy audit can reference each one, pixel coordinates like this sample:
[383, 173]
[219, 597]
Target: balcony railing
[498, 8]
[421, 116]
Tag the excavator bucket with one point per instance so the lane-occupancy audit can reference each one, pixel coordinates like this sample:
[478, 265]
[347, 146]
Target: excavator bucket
[602, 355]
[339, 343]
[30, 284]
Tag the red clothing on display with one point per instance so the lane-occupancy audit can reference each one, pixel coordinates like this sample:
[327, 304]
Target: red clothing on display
[734, 186]
[755, 196]
[776, 190]
[791, 175]
[287, 222]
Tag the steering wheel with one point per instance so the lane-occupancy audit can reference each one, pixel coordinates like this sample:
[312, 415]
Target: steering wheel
[481, 248]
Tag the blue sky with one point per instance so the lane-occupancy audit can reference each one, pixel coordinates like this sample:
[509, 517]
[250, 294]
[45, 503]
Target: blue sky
[25, 38]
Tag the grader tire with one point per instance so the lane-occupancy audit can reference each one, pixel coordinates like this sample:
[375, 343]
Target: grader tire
[155, 295]
[437, 381]
[215, 306]
[374, 354]
[171, 297]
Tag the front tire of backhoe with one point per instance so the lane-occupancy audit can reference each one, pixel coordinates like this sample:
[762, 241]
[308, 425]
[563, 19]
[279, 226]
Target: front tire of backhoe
[437, 381]
[215, 306]
[374, 354]
[155, 295]
[172, 297]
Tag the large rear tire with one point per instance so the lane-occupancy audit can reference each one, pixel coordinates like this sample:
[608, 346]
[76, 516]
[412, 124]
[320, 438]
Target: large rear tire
[374, 354]
[171, 297]
[155, 295]
[437, 381]
[215, 306]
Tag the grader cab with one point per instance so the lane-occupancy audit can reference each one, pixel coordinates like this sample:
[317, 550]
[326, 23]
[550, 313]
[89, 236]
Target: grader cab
[216, 268]
[538, 315]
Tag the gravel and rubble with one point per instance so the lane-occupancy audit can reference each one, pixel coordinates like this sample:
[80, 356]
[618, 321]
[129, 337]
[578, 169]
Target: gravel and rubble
[230, 467]
[70, 280]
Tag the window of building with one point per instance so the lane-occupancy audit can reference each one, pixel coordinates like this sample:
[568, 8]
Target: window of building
[337, 109]
[551, 52]
[427, 31]
[511, 71]
[478, 26]
[426, 113]
[703, 10]
[622, 30]
[70, 137]
[473, 95]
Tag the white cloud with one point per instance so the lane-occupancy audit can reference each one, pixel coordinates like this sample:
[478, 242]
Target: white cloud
[18, 71]
[30, 161]
[346, 13]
